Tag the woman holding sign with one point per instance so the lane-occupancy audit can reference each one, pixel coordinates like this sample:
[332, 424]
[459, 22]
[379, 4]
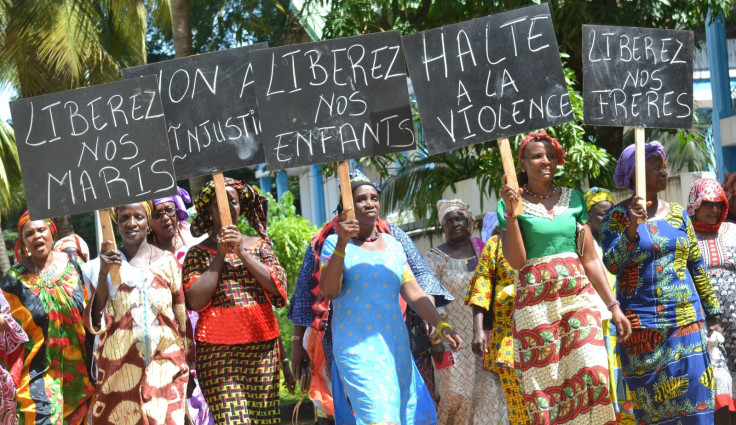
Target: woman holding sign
[46, 297]
[362, 273]
[144, 349]
[558, 336]
[234, 281]
[666, 293]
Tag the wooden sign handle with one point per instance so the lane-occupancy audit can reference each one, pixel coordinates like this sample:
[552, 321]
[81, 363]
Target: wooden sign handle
[507, 158]
[223, 205]
[640, 173]
[346, 192]
[108, 234]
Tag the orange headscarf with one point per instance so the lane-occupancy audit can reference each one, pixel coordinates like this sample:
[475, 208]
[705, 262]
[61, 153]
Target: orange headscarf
[542, 136]
[20, 246]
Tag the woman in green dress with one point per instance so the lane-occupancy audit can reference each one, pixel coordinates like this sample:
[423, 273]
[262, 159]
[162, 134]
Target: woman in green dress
[558, 336]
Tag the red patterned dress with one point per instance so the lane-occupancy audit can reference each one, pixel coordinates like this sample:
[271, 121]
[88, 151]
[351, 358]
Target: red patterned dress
[558, 336]
[237, 338]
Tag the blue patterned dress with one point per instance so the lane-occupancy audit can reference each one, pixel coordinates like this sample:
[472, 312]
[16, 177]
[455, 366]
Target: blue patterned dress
[665, 292]
[373, 364]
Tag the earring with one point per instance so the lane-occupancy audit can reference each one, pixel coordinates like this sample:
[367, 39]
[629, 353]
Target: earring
[148, 230]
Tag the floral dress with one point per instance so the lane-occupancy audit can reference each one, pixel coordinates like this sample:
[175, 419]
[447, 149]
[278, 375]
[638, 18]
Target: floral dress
[666, 293]
[145, 345]
[10, 340]
[51, 368]
[558, 334]
[492, 289]
[719, 254]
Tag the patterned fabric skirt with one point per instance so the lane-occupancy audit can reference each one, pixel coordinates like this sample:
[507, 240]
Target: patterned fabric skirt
[559, 347]
[240, 382]
[669, 375]
[619, 391]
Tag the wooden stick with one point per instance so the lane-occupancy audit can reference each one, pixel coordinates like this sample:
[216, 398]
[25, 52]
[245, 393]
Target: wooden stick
[223, 205]
[640, 173]
[507, 158]
[108, 234]
[346, 192]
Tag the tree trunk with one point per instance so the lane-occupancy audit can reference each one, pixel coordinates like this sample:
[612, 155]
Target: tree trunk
[64, 226]
[4, 259]
[181, 22]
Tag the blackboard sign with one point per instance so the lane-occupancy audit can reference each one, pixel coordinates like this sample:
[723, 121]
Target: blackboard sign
[211, 111]
[333, 100]
[488, 78]
[93, 148]
[639, 77]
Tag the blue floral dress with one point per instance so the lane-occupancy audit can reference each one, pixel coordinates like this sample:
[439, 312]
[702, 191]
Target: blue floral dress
[373, 364]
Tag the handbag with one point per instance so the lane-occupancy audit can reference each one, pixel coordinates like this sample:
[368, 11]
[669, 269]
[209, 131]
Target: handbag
[580, 239]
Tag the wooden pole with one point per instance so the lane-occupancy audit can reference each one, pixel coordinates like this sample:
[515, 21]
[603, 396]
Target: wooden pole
[223, 205]
[108, 234]
[640, 173]
[507, 158]
[346, 193]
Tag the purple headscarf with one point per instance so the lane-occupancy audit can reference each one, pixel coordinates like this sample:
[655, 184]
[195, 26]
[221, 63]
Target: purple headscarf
[181, 197]
[624, 174]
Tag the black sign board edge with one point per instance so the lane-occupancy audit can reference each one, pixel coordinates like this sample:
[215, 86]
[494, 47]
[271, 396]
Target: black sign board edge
[633, 30]
[65, 210]
[132, 72]
[341, 163]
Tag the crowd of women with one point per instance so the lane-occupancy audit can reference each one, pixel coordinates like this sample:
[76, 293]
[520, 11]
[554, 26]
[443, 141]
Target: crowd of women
[578, 310]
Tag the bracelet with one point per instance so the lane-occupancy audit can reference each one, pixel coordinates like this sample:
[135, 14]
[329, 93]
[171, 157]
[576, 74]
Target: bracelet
[508, 214]
[338, 253]
[441, 326]
[613, 303]
[295, 338]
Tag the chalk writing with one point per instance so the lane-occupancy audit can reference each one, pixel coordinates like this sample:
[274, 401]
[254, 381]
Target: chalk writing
[487, 78]
[211, 112]
[637, 77]
[333, 100]
[93, 148]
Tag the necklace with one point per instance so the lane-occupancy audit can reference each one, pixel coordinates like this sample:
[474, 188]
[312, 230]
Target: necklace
[532, 194]
[368, 239]
[44, 275]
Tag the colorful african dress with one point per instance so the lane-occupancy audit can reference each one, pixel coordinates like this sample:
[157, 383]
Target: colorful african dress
[51, 368]
[144, 348]
[469, 394]
[620, 397]
[492, 289]
[558, 336]
[719, 255]
[238, 365]
[373, 364]
[10, 340]
[665, 292]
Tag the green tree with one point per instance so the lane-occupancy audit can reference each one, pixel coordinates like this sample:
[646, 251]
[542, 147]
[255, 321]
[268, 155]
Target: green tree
[11, 186]
[428, 177]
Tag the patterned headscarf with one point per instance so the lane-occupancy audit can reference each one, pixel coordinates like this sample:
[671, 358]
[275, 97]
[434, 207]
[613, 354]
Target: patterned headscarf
[20, 246]
[445, 206]
[252, 204]
[75, 242]
[179, 200]
[147, 205]
[729, 184]
[595, 195]
[542, 136]
[626, 165]
[705, 189]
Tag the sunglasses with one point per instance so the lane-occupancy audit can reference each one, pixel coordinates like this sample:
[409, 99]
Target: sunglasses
[168, 211]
